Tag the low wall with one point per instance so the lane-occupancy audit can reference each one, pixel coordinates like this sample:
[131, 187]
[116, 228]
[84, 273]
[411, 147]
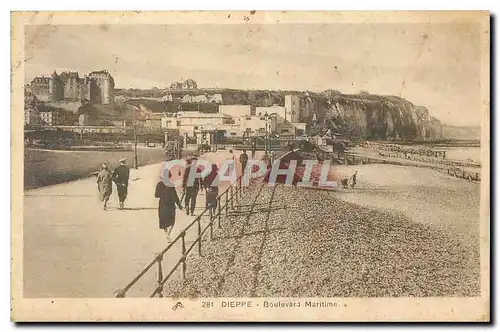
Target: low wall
[351, 159]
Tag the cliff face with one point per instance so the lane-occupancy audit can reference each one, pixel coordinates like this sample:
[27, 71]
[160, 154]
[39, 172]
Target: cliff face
[364, 115]
[376, 117]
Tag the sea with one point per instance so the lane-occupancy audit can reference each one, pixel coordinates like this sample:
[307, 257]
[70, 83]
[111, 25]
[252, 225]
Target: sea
[463, 153]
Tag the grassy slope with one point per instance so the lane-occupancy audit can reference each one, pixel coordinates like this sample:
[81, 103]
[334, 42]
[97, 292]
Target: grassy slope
[43, 167]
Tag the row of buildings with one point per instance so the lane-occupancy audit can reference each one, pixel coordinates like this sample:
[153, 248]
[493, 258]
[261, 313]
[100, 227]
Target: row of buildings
[97, 87]
[34, 115]
[236, 120]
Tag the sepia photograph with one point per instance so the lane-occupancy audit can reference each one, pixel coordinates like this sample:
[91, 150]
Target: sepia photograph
[250, 166]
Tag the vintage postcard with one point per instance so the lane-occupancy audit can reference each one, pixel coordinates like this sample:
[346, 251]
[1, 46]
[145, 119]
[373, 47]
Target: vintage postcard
[250, 166]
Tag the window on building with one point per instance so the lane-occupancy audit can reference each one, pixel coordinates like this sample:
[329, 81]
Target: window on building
[233, 133]
[195, 127]
[285, 131]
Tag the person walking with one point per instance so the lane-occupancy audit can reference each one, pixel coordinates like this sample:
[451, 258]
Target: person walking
[190, 189]
[243, 161]
[352, 180]
[211, 185]
[105, 184]
[254, 148]
[120, 177]
[167, 204]
[232, 162]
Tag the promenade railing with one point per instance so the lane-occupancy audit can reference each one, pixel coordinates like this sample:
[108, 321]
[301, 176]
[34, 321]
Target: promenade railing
[225, 202]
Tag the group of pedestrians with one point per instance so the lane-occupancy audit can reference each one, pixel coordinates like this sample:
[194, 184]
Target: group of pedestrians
[169, 200]
[105, 179]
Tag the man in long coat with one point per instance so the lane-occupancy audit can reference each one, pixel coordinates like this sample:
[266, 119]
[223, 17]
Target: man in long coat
[120, 177]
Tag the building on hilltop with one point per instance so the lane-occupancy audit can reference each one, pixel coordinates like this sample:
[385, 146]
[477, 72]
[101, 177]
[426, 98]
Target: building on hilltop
[40, 87]
[102, 87]
[188, 84]
[97, 87]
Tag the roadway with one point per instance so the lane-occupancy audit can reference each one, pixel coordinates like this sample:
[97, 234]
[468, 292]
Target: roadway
[73, 248]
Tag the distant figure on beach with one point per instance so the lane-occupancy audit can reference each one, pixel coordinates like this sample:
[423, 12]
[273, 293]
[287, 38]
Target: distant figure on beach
[105, 184]
[167, 206]
[211, 185]
[120, 177]
[190, 189]
[352, 180]
[243, 161]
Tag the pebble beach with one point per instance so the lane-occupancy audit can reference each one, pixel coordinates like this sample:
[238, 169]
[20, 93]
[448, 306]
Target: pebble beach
[402, 231]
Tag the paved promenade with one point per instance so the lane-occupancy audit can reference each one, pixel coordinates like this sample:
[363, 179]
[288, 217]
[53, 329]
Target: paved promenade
[73, 248]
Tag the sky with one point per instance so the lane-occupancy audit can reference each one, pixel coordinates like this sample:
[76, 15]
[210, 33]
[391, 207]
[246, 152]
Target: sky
[434, 65]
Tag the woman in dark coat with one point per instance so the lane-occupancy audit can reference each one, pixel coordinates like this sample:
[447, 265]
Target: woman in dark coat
[211, 185]
[166, 206]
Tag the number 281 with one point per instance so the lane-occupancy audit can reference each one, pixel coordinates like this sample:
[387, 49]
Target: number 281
[207, 304]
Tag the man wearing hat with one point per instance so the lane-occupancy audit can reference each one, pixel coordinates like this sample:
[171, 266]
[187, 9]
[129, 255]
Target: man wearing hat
[120, 177]
[190, 190]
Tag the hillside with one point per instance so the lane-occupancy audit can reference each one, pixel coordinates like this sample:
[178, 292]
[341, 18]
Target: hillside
[361, 115]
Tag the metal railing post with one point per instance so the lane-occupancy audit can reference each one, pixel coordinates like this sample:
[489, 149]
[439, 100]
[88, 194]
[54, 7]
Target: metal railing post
[227, 202]
[236, 193]
[211, 225]
[159, 258]
[183, 270]
[199, 236]
[220, 212]
[232, 197]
